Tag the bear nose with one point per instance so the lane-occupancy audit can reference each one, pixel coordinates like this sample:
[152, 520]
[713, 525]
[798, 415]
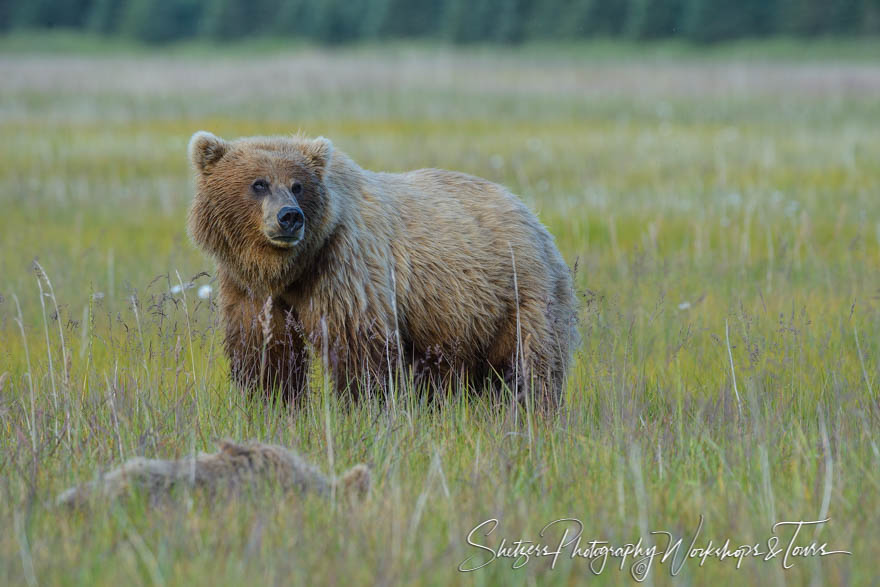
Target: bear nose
[290, 219]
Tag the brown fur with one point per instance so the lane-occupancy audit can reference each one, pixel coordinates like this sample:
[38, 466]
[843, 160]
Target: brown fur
[449, 273]
[233, 468]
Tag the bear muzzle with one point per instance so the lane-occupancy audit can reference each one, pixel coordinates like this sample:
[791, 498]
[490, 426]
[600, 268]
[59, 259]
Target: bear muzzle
[288, 228]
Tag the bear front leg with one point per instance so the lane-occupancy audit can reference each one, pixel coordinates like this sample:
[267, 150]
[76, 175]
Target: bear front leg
[357, 361]
[263, 344]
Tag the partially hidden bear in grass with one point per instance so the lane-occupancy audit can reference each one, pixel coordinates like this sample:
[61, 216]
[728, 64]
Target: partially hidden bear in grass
[443, 272]
[234, 468]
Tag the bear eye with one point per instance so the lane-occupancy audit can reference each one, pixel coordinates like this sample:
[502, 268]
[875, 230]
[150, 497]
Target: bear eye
[296, 189]
[260, 186]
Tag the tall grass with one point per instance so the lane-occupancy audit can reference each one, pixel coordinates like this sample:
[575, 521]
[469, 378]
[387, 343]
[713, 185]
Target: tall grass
[724, 221]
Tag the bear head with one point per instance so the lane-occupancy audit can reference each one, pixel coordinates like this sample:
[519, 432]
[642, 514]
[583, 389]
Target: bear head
[261, 208]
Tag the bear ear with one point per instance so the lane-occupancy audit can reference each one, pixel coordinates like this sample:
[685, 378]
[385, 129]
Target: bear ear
[318, 152]
[228, 446]
[356, 482]
[206, 149]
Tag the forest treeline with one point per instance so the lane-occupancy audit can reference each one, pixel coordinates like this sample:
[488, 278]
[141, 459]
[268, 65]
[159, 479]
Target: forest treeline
[459, 21]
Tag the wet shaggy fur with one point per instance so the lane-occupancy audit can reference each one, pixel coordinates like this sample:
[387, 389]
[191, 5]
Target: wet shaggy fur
[442, 272]
[234, 468]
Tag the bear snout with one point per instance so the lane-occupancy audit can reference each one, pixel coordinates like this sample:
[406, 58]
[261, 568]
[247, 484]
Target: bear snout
[286, 227]
[290, 219]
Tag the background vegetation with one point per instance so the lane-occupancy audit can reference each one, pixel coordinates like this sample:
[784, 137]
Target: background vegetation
[461, 21]
[722, 213]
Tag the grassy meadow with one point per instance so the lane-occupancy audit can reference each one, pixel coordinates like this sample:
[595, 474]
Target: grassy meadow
[722, 211]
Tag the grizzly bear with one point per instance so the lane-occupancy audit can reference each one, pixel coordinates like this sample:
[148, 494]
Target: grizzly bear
[431, 273]
[234, 467]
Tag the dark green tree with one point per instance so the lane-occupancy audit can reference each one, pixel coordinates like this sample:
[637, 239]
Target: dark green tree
[653, 19]
[510, 19]
[605, 18]
[105, 16]
[461, 21]
[405, 19]
[50, 14]
[339, 21]
[160, 21]
[542, 19]
[467, 21]
[719, 20]
[816, 17]
[7, 9]
[871, 17]
[845, 16]
[295, 18]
